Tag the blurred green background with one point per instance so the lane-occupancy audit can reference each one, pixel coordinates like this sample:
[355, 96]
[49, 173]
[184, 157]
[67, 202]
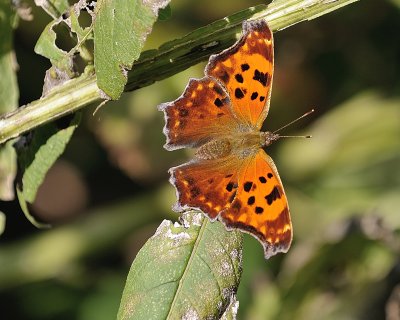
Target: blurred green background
[109, 191]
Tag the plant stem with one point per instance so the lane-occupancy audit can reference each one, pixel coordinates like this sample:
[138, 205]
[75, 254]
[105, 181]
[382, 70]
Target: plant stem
[155, 65]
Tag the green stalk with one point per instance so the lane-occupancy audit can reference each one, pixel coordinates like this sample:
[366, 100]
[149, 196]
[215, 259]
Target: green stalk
[155, 65]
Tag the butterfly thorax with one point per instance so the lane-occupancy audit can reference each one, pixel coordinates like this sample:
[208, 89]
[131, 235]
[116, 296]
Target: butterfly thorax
[242, 144]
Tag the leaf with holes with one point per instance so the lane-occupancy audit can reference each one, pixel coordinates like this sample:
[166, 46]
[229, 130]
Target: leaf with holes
[46, 46]
[184, 271]
[120, 30]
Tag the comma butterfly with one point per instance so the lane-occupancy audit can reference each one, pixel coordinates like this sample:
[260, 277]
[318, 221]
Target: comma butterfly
[231, 178]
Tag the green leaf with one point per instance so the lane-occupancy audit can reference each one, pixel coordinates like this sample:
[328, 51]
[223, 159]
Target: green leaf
[9, 94]
[46, 46]
[8, 170]
[24, 207]
[2, 222]
[120, 30]
[36, 158]
[73, 20]
[54, 8]
[184, 271]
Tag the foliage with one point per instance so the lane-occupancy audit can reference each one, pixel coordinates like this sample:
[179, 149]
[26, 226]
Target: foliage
[8, 99]
[188, 258]
[342, 185]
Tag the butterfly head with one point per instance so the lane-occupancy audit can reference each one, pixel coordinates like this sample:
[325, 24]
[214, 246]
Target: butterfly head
[269, 137]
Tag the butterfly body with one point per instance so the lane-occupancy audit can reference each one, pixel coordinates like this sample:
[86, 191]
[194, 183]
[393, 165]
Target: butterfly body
[231, 178]
[241, 144]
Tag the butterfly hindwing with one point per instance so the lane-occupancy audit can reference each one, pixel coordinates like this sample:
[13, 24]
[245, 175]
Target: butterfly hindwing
[208, 185]
[260, 207]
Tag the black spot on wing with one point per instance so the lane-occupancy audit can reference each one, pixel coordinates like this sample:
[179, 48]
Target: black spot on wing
[218, 102]
[258, 210]
[247, 186]
[274, 194]
[245, 67]
[262, 98]
[239, 93]
[229, 187]
[261, 77]
[262, 179]
[251, 200]
[269, 175]
[239, 78]
[254, 96]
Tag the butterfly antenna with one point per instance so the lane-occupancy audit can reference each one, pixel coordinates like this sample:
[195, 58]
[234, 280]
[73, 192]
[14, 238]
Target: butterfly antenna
[290, 123]
[307, 137]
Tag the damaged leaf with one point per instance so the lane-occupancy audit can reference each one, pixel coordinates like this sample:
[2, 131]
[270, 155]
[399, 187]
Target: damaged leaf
[62, 61]
[196, 256]
[46, 46]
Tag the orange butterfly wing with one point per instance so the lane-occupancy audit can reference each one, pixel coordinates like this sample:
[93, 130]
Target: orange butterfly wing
[242, 189]
[201, 113]
[246, 70]
[260, 206]
[208, 185]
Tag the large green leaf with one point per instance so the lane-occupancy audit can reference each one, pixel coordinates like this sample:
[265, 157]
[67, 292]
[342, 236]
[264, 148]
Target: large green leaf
[8, 98]
[38, 155]
[120, 30]
[185, 271]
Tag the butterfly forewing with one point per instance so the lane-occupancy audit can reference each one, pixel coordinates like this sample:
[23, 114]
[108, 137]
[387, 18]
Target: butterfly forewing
[246, 71]
[202, 113]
